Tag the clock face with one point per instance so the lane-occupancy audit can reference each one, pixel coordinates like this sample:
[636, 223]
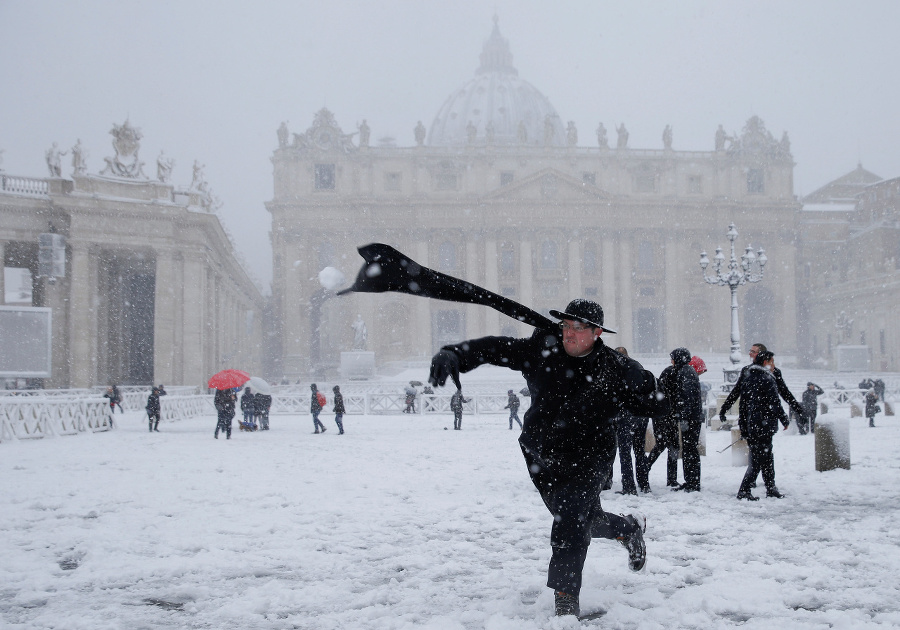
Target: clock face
[323, 139]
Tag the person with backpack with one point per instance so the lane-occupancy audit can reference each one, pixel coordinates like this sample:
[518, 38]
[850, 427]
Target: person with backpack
[339, 409]
[316, 404]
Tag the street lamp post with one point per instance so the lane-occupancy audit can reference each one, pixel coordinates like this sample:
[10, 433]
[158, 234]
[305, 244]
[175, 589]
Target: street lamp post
[750, 269]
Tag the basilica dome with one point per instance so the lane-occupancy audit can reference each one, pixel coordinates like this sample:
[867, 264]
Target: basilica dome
[497, 107]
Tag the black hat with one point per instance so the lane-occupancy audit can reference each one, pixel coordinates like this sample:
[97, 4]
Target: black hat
[584, 311]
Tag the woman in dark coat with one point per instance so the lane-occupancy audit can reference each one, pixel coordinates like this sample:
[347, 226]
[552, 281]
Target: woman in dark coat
[760, 412]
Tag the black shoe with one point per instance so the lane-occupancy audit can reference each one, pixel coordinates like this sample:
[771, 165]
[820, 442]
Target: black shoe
[679, 487]
[566, 604]
[774, 494]
[324, 429]
[646, 489]
[316, 431]
[634, 542]
[632, 491]
[745, 494]
[672, 484]
[688, 488]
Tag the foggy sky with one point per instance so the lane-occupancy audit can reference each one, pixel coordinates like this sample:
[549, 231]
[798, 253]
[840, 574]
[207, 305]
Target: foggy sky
[212, 80]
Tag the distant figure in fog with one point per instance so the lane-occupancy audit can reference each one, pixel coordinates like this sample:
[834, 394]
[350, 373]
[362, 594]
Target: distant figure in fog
[153, 410]
[339, 409]
[224, 403]
[456, 406]
[513, 406]
[316, 403]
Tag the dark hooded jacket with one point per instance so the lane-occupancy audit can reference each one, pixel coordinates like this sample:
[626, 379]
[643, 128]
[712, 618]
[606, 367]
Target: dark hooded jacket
[574, 400]
[760, 405]
[682, 387]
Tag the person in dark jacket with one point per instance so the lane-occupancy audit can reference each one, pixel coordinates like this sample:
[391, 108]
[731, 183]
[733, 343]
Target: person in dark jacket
[578, 386]
[263, 404]
[456, 406]
[339, 409]
[224, 403]
[513, 406]
[315, 408]
[248, 408]
[665, 436]
[153, 410]
[810, 406]
[872, 406]
[631, 431]
[783, 390]
[760, 410]
[115, 399]
[682, 387]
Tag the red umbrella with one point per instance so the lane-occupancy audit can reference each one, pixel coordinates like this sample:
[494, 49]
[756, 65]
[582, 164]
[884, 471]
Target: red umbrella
[228, 379]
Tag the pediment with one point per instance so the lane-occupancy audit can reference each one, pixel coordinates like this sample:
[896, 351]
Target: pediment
[548, 184]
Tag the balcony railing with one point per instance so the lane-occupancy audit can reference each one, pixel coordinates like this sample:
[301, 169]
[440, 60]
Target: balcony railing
[16, 185]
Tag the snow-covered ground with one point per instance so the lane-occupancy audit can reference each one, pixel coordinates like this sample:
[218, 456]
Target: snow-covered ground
[403, 524]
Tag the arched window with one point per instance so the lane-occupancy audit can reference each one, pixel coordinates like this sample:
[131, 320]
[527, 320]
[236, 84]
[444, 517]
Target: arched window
[549, 255]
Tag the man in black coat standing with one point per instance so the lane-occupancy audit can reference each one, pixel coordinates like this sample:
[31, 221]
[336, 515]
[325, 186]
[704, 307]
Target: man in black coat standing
[578, 386]
[810, 407]
[682, 387]
[760, 412]
[631, 432]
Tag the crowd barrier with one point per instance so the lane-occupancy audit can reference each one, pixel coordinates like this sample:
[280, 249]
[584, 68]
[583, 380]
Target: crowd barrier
[24, 417]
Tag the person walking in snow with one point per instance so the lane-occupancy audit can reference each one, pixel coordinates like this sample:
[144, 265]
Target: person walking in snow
[513, 406]
[760, 412]
[578, 386]
[339, 409]
[153, 409]
[224, 401]
[248, 408]
[263, 404]
[315, 407]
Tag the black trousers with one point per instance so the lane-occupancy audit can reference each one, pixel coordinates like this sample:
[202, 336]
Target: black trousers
[631, 432]
[690, 456]
[457, 420]
[666, 438]
[761, 460]
[224, 424]
[574, 501]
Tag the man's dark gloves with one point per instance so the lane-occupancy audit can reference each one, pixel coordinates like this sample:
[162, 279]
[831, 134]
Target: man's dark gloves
[445, 364]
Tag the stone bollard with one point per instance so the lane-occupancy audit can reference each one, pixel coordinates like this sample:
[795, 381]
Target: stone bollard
[740, 452]
[832, 443]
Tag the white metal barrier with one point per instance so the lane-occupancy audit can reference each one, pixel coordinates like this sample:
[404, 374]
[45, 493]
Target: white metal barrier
[30, 417]
[383, 403]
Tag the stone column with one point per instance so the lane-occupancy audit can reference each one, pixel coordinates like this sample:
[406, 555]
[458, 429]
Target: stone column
[491, 283]
[575, 288]
[193, 330]
[474, 314]
[624, 321]
[82, 329]
[608, 285]
[674, 311]
[526, 279]
[164, 306]
[2, 272]
[423, 308]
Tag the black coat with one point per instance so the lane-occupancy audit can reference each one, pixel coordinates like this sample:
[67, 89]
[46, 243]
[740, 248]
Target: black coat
[339, 403]
[574, 400]
[783, 391]
[248, 402]
[153, 403]
[871, 404]
[682, 387]
[760, 406]
[224, 402]
[810, 402]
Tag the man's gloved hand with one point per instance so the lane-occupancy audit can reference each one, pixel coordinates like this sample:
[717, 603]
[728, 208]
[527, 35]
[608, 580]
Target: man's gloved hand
[722, 418]
[443, 365]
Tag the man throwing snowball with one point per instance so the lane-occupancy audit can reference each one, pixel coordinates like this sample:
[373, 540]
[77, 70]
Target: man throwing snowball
[578, 386]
